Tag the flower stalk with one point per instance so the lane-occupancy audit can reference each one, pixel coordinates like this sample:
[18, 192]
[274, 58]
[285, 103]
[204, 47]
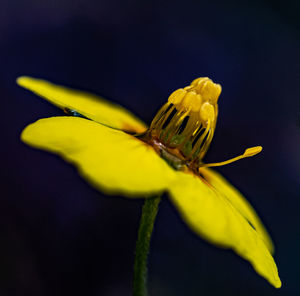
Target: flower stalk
[149, 212]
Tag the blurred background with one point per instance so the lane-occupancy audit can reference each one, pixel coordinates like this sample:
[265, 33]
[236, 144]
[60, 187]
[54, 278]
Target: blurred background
[59, 236]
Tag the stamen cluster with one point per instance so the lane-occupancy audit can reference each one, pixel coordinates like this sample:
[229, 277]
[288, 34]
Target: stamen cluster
[186, 123]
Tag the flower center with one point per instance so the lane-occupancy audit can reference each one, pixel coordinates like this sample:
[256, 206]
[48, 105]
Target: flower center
[183, 128]
[185, 125]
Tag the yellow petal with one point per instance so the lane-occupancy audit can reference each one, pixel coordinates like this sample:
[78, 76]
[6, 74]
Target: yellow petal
[213, 217]
[111, 160]
[91, 106]
[239, 202]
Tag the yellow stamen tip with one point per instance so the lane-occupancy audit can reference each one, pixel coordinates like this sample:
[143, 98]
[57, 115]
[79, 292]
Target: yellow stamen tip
[211, 91]
[207, 112]
[198, 82]
[177, 96]
[252, 151]
[197, 103]
[191, 101]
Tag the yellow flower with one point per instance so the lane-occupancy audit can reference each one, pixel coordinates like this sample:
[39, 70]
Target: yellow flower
[118, 154]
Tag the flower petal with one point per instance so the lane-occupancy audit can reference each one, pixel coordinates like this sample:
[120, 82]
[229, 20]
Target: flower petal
[111, 160]
[91, 106]
[213, 217]
[239, 202]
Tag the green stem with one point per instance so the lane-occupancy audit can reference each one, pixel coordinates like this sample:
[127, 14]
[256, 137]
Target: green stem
[149, 212]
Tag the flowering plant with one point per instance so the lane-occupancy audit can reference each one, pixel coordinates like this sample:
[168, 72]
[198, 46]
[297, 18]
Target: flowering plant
[117, 153]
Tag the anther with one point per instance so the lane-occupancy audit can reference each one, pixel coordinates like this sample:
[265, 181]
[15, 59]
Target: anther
[211, 91]
[177, 96]
[207, 112]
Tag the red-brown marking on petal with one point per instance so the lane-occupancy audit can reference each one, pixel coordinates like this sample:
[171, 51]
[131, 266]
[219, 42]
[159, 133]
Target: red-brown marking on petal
[133, 129]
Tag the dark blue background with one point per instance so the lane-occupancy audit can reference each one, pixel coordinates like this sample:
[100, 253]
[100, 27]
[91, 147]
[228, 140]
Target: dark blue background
[58, 236]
